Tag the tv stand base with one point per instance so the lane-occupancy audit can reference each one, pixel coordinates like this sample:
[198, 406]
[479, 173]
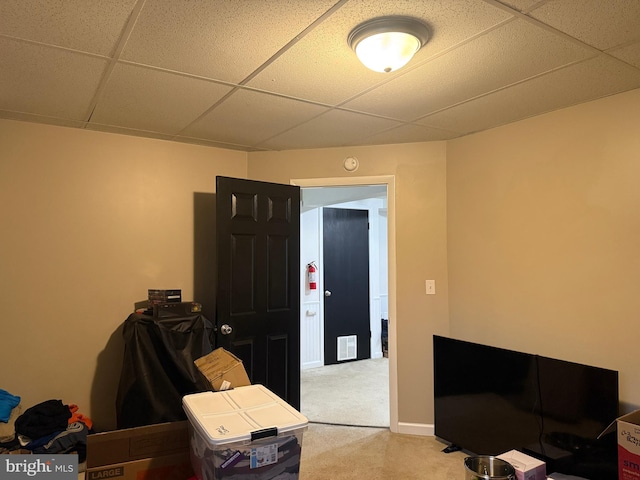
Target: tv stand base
[452, 448]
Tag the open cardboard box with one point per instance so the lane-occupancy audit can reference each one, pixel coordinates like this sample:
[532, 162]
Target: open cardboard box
[628, 427]
[153, 452]
[223, 370]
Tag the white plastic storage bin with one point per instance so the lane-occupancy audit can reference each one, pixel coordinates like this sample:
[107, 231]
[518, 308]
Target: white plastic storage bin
[248, 433]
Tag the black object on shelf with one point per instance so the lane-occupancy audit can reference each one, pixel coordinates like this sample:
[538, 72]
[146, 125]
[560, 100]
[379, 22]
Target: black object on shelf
[158, 369]
[385, 337]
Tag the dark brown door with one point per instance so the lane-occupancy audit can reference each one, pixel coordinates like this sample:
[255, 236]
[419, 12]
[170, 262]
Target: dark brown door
[346, 282]
[258, 245]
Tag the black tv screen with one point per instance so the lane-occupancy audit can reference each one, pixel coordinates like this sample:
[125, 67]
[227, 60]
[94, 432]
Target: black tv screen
[490, 400]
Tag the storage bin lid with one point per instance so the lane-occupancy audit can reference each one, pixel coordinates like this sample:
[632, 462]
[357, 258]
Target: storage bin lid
[233, 415]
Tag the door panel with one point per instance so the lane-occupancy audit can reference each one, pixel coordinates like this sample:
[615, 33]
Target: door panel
[278, 368]
[243, 281]
[277, 270]
[346, 277]
[258, 239]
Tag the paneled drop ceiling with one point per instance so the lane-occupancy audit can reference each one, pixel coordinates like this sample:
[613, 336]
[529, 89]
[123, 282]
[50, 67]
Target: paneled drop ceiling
[278, 74]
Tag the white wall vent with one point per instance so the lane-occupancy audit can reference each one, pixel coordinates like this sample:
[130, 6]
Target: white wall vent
[347, 348]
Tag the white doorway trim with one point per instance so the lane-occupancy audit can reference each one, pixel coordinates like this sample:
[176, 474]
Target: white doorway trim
[389, 181]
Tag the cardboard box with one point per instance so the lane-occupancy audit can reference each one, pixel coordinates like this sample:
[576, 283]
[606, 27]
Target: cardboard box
[526, 467]
[223, 370]
[628, 427]
[153, 452]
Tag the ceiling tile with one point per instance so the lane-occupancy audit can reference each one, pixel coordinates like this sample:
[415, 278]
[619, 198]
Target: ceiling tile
[31, 117]
[565, 87]
[223, 39]
[127, 131]
[628, 53]
[323, 68]
[521, 5]
[513, 52]
[602, 24]
[409, 134]
[146, 99]
[85, 25]
[335, 128]
[47, 81]
[249, 117]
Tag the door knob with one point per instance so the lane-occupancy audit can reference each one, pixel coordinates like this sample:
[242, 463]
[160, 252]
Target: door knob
[225, 329]
[327, 293]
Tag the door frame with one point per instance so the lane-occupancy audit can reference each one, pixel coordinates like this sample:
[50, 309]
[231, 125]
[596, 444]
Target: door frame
[389, 181]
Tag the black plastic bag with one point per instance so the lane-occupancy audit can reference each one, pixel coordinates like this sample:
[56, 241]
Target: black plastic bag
[158, 368]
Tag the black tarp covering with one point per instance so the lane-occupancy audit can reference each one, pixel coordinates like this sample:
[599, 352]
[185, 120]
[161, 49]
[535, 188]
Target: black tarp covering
[158, 368]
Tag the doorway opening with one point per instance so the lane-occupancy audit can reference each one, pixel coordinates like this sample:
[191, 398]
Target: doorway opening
[376, 196]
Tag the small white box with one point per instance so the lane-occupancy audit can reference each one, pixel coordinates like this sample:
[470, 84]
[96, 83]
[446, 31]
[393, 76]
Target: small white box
[248, 432]
[526, 467]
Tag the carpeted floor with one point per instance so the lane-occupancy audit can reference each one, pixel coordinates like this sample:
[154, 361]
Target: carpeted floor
[342, 403]
[350, 393]
[354, 453]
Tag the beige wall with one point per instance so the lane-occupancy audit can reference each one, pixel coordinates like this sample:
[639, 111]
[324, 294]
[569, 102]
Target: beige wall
[90, 221]
[544, 235]
[420, 180]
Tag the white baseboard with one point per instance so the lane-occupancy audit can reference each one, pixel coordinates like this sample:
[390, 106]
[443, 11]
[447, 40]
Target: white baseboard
[421, 429]
[308, 365]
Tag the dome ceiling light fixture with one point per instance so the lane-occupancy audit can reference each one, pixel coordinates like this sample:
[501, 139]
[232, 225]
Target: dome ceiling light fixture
[386, 44]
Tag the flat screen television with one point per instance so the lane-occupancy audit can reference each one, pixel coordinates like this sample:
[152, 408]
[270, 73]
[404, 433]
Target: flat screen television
[490, 400]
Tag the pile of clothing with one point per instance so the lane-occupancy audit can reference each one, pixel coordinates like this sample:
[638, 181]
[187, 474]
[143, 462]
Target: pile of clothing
[48, 427]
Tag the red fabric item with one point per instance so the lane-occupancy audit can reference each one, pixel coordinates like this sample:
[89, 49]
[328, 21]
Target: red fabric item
[79, 417]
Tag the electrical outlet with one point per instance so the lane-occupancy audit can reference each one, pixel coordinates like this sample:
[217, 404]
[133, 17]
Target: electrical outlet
[430, 287]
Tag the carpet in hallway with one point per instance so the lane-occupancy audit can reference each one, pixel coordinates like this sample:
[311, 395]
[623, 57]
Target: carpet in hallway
[350, 393]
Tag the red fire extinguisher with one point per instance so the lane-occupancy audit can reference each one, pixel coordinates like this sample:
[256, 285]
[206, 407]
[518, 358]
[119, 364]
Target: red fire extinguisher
[312, 271]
